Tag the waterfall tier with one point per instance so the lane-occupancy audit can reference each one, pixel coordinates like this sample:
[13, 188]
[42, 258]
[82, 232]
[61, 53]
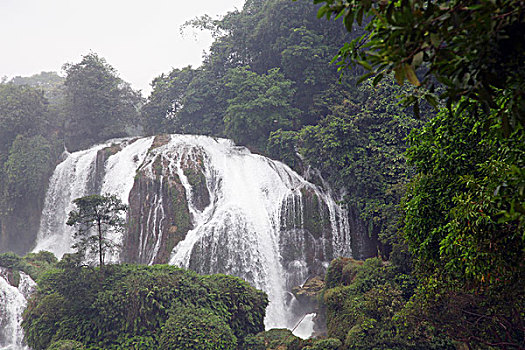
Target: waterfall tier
[205, 204]
[15, 288]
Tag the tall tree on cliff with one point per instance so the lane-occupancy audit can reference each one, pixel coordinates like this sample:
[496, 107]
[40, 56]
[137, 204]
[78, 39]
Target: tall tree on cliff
[99, 103]
[96, 218]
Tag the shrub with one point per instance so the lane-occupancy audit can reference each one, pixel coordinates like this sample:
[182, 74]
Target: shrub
[66, 345]
[199, 329]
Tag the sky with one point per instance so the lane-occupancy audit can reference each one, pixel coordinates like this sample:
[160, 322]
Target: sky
[140, 38]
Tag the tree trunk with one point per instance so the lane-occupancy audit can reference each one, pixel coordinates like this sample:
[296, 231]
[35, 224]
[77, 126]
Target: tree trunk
[101, 260]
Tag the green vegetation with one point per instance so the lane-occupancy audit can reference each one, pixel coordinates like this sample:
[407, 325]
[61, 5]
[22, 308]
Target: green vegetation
[283, 339]
[66, 345]
[265, 70]
[441, 194]
[99, 103]
[464, 210]
[28, 150]
[27, 167]
[41, 114]
[140, 307]
[474, 50]
[359, 146]
[366, 308]
[96, 218]
[260, 104]
[33, 264]
[196, 328]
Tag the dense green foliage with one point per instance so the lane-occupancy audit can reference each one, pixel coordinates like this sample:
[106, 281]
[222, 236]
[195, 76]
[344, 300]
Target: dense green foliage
[475, 50]
[140, 307]
[359, 146]
[166, 100]
[196, 328]
[28, 150]
[99, 103]
[22, 112]
[66, 345]
[261, 104]
[33, 264]
[41, 114]
[365, 305]
[464, 211]
[264, 71]
[54, 91]
[96, 219]
[27, 167]
[465, 223]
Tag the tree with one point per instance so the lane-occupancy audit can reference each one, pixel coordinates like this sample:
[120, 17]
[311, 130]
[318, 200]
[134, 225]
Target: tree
[104, 215]
[464, 223]
[54, 91]
[27, 156]
[464, 210]
[99, 103]
[261, 104]
[22, 111]
[166, 100]
[24, 176]
[475, 50]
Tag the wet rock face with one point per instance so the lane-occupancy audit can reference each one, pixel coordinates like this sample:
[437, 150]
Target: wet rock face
[159, 216]
[18, 229]
[97, 177]
[306, 233]
[193, 169]
[364, 244]
[308, 297]
[307, 294]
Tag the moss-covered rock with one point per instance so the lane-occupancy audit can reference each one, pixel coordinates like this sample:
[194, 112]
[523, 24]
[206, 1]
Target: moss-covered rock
[160, 140]
[283, 339]
[192, 164]
[309, 291]
[316, 214]
[158, 217]
[277, 339]
[342, 271]
[197, 180]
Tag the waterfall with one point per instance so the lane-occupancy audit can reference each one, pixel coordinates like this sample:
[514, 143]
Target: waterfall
[208, 205]
[13, 300]
[80, 175]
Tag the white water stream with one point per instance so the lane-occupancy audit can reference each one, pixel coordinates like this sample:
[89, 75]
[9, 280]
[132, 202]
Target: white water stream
[13, 301]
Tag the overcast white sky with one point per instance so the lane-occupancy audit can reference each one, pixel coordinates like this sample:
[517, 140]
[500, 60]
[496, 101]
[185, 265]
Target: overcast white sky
[139, 38]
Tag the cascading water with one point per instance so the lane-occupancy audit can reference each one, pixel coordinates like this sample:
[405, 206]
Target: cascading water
[13, 300]
[208, 205]
[81, 174]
